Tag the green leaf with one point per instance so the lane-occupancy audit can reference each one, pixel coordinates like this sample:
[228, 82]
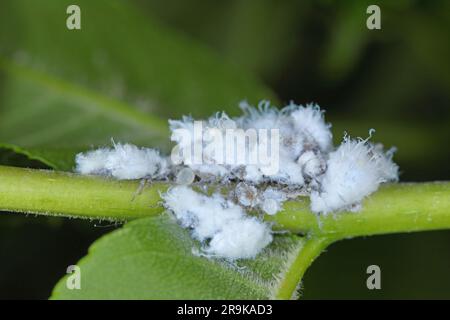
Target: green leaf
[50, 120]
[347, 42]
[62, 91]
[153, 258]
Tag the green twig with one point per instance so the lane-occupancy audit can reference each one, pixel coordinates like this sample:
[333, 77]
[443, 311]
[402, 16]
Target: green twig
[297, 268]
[394, 208]
[54, 193]
[401, 207]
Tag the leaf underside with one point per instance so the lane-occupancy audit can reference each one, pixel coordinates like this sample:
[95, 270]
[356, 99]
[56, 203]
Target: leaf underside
[153, 258]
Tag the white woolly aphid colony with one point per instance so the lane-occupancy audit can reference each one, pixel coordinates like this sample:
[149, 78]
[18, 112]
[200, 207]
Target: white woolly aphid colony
[335, 179]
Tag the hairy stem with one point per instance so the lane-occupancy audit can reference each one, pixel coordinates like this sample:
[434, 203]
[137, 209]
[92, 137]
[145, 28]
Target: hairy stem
[394, 208]
[402, 207]
[56, 193]
[306, 255]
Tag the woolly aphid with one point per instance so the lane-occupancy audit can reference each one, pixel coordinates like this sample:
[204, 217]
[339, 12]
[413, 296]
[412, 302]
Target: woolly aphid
[336, 179]
[354, 170]
[228, 231]
[123, 162]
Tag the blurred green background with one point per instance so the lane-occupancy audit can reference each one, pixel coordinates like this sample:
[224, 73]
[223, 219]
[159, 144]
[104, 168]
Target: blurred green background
[168, 58]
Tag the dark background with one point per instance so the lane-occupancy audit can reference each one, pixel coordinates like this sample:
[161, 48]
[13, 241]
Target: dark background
[395, 80]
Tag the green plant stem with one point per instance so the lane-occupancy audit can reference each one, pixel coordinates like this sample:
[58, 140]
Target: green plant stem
[394, 208]
[56, 193]
[305, 257]
[401, 207]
